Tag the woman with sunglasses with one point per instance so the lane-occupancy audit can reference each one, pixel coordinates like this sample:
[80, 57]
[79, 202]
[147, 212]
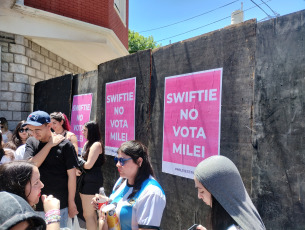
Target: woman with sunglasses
[60, 124]
[22, 178]
[93, 157]
[18, 141]
[20, 135]
[139, 197]
[6, 134]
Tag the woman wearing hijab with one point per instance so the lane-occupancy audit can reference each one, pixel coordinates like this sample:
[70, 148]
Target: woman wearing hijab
[16, 213]
[220, 186]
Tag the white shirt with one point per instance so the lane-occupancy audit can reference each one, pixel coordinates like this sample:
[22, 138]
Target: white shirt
[19, 153]
[144, 209]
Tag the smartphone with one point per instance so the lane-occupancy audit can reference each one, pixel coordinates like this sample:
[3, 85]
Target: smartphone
[193, 227]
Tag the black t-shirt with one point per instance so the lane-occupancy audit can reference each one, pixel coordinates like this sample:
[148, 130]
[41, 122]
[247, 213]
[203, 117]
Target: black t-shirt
[53, 171]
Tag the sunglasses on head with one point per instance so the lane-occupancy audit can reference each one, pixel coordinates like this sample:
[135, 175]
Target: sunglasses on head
[23, 130]
[121, 160]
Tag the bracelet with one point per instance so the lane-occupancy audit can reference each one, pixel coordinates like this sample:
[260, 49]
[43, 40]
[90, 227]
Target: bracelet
[52, 216]
[52, 219]
[52, 212]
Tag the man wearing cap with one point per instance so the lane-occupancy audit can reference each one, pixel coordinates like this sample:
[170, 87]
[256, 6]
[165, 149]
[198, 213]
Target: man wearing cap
[56, 159]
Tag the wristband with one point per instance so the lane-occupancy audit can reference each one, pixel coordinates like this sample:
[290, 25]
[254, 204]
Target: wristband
[52, 212]
[52, 219]
[52, 216]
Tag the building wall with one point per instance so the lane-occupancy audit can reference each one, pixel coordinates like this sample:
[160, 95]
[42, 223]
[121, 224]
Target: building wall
[115, 24]
[23, 63]
[262, 114]
[101, 13]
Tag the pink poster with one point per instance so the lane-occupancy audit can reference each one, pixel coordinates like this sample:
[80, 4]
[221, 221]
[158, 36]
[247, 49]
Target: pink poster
[120, 114]
[191, 128]
[81, 110]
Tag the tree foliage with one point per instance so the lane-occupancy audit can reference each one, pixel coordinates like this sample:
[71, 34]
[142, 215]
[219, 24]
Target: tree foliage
[138, 42]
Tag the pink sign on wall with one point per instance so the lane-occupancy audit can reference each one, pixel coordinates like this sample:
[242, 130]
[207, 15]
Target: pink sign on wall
[191, 128]
[81, 110]
[120, 114]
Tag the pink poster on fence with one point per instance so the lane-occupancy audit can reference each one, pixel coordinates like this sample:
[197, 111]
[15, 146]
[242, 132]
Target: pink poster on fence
[120, 114]
[191, 128]
[81, 110]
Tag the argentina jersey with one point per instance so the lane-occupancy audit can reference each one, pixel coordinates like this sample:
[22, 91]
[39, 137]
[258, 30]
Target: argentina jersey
[144, 210]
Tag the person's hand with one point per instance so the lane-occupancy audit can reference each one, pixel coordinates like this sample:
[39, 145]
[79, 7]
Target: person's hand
[200, 227]
[78, 172]
[55, 139]
[72, 209]
[98, 199]
[50, 203]
[102, 219]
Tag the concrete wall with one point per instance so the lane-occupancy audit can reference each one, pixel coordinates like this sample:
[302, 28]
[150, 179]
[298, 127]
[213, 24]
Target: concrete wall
[279, 122]
[87, 83]
[137, 65]
[233, 49]
[23, 64]
[262, 119]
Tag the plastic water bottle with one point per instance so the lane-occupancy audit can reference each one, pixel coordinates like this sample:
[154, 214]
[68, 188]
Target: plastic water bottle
[102, 201]
[112, 218]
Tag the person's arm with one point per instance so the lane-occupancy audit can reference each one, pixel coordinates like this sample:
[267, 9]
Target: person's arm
[51, 203]
[39, 158]
[9, 135]
[94, 152]
[102, 221]
[200, 227]
[72, 209]
[73, 140]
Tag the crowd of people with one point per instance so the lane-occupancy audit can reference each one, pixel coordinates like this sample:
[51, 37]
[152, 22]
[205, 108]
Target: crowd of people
[41, 172]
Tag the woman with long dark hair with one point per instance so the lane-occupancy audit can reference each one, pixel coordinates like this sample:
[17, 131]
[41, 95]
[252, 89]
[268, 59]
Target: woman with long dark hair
[60, 124]
[220, 186]
[139, 197]
[23, 179]
[92, 179]
[20, 135]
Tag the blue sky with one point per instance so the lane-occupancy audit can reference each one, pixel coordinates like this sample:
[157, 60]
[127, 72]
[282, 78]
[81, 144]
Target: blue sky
[198, 16]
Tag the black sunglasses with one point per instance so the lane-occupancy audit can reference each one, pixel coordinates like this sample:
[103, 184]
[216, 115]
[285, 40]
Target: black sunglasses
[121, 160]
[23, 130]
[1, 127]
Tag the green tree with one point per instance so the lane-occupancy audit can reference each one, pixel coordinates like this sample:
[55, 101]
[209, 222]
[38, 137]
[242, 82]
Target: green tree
[138, 42]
